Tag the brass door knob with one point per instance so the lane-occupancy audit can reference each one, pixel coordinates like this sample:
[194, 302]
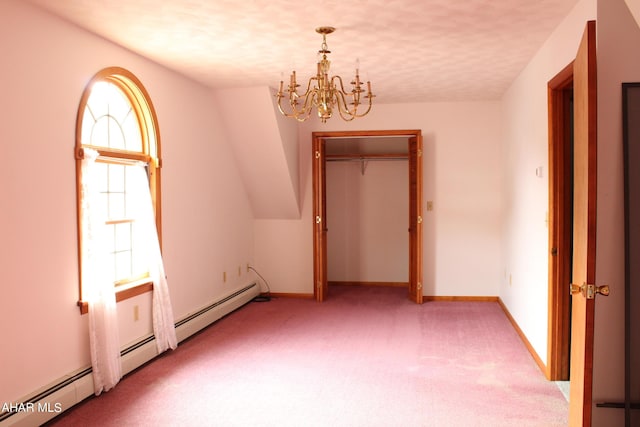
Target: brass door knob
[589, 291]
[574, 289]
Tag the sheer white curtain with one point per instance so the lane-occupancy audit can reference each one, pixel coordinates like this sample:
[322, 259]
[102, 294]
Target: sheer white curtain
[97, 288]
[163, 323]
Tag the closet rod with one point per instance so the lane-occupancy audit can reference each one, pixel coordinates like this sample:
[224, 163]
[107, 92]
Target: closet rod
[365, 158]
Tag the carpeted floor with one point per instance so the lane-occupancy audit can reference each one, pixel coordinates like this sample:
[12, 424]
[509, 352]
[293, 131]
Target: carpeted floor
[366, 357]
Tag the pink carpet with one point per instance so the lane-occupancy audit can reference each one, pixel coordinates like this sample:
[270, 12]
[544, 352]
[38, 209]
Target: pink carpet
[366, 357]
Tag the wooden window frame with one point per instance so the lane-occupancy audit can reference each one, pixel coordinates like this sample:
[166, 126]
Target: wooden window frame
[139, 99]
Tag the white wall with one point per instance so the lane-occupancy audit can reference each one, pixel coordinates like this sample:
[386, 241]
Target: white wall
[524, 271]
[462, 177]
[207, 224]
[368, 221]
[618, 62]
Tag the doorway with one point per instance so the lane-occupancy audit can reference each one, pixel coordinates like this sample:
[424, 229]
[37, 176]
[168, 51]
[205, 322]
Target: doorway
[413, 155]
[560, 98]
[367, 211]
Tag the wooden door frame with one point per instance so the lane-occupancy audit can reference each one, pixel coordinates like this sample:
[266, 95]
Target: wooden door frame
[560, 91]
[319, 208]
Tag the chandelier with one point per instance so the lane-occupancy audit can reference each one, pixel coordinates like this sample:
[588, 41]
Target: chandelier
[325, 93]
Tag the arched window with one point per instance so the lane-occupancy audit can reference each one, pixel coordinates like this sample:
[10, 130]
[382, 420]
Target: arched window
[117, 123]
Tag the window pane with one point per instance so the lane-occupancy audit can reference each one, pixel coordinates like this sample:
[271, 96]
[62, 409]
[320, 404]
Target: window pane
[123, 265]
[131, 130]
[110, 236]
[140, 251]
[119, 106]
[116, 206]
[109, 249]
[116, 178]
[109, 119]
[102, 176]
[123, 237]
[88, 122]
[98, 101]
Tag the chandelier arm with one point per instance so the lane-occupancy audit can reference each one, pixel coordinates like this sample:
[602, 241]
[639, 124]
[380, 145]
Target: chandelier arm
[299, 114]
[295, 113]
[309, 96]
[341, 87]
[343, 109]
[308, 103]
[342, 96]
[347, 115]
[355, 93]
[354, 113]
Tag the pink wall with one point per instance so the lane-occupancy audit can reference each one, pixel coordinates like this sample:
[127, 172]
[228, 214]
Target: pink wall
[207, 223]
[368, 219]
[461, 176]
[525, 139]
[524, 269]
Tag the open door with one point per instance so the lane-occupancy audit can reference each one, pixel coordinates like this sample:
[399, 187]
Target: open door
[319, 221]
[415, 218]
[320, 229]
[583, 289]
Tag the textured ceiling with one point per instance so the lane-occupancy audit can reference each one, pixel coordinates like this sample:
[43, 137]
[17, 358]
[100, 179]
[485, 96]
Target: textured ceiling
[411, 50]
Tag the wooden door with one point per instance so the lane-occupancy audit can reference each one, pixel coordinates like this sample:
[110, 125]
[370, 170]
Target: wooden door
[319, 221]
[584, 230]
[415, 218]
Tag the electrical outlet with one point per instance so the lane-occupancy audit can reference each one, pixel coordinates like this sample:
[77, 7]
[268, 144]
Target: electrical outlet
[247, 267]
[224, 277]
[429, 206]
[239, 270]
[136, 313]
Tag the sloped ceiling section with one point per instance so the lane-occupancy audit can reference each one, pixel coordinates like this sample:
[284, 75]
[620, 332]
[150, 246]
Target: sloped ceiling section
[634, 7]
[266, 148]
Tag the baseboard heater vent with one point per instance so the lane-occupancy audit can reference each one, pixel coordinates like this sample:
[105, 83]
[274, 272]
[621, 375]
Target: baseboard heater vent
[55, 398]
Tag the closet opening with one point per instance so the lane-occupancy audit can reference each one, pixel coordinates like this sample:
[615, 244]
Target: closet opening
[367, 188]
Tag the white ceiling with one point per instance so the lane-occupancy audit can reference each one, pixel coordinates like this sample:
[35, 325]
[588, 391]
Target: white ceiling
[411, 50]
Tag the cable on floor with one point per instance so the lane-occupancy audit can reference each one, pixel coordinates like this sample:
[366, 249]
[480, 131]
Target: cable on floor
[263, 297]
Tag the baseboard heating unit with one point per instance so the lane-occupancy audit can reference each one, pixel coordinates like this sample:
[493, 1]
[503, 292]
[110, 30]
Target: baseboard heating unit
[72, 389]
